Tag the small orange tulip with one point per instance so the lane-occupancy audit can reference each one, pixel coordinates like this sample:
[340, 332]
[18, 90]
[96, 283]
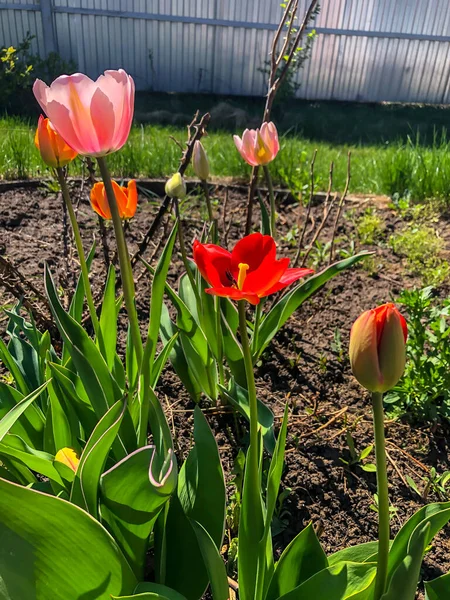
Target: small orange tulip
[377, 348]
[54, 150]
[126, 198]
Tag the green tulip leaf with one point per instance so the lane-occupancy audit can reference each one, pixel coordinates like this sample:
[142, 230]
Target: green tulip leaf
[158, 588]
[238, 397]
[213, 561]
[303, 558]
[53, 549]
[84, 492]
[340, 582]
[284, 308]
[438, 589]
[133, 493]
[12, 412]
[360, 553]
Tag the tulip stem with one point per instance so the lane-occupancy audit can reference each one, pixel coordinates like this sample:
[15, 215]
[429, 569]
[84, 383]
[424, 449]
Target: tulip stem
[211, 218]
[80, 250]
[256, 324]
[183, 252]
[219, 340]
[383, 495]
[271, 199]
[124, 261]
[253, 404]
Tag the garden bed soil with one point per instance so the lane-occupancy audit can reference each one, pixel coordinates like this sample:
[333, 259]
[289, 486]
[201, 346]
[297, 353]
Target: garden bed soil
[304, 366]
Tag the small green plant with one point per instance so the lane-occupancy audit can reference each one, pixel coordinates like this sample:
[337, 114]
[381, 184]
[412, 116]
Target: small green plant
[370, 227]
[433, 483]
[392, 509]
[422, 246]
[336, 345]
[356, 458]
[424, 391]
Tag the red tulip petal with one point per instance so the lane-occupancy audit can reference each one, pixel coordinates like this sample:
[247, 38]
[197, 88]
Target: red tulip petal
[234, 294]
[213, 263]
[253, 250]
[264, 279]
[290, 276]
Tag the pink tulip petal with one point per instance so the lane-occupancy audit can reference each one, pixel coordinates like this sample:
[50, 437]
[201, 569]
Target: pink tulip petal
[59, 115]
[40, 93]
[103, 119]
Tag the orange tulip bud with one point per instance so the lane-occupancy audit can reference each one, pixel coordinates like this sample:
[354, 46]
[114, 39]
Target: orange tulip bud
[377, 348]
[54, 150]
[126, 198]
[68, 457]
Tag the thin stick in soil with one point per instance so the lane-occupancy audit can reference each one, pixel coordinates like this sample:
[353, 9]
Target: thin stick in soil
[341, 204]
[308, 209]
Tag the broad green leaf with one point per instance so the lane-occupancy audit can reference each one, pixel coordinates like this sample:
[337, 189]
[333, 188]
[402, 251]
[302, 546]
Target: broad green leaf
[438, 589]
[213, 561]
[200, 497]
[144, 596]
[133, 494]
[98, 382]
[53, 549]
[340, 582]
[62, 428]
[85, 488]
[8, 360]
[404, 580]
[303, 558]
[30, 424]
[26, 327]
[157, 588]
[359, 553]
[437, 515]
[162, 436]
[177, 358]
[238, 397]
[156, 303]
[161, 360]
[13, 446]
[204, 371]
[27, 361]
[11, 417]
[108, 319]
[251, 543]
[289, 303]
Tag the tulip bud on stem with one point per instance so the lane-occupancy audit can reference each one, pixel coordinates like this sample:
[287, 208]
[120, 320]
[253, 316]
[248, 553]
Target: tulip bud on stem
[383, 496]
[124, 261]
[271, 200]
[79, 244]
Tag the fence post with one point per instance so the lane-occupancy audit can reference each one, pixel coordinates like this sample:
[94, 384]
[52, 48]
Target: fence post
[47, 26]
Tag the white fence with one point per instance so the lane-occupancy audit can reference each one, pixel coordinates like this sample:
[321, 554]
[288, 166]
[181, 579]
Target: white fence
[366, 50]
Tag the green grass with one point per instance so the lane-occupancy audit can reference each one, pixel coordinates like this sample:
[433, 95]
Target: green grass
[405, 168]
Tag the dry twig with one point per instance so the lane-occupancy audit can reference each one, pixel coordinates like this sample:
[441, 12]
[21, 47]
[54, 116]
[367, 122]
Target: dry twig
[341, 204]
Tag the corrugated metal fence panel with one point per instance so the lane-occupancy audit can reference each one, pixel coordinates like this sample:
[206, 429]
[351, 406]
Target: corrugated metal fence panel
[366, 50]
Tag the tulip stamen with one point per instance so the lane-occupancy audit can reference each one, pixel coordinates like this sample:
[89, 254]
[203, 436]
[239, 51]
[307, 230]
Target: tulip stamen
[243, 268]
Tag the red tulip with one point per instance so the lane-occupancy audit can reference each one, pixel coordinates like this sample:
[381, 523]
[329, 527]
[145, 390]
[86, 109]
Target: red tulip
[126, 198]
[377, 348]
[250, 272]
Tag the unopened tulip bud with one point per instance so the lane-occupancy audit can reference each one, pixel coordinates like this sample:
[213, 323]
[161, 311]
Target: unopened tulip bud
[176, 187]
[377, 348]
[200, 161]
[54, 150]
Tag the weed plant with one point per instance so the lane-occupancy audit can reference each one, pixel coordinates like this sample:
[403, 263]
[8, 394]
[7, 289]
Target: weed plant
[423, 394]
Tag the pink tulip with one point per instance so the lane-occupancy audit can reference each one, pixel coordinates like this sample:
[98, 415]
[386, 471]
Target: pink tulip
[258, 147]
[93, 117]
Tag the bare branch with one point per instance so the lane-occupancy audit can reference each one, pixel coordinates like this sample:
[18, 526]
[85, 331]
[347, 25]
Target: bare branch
[308, 210]
[341, 204]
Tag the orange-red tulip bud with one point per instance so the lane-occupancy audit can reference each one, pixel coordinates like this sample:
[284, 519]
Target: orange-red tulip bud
[126, 198]
[377, 348]
[54, 150]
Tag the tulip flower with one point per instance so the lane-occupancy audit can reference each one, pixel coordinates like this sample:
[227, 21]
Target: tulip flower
[200, 161]
[250, 272]
[176, 187]
[126, 198]
[258, 146]
[377, 348]
[54, 150]
[93, 117]
[68, 457]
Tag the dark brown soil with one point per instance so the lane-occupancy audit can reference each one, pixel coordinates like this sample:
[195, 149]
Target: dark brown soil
[303, 366]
